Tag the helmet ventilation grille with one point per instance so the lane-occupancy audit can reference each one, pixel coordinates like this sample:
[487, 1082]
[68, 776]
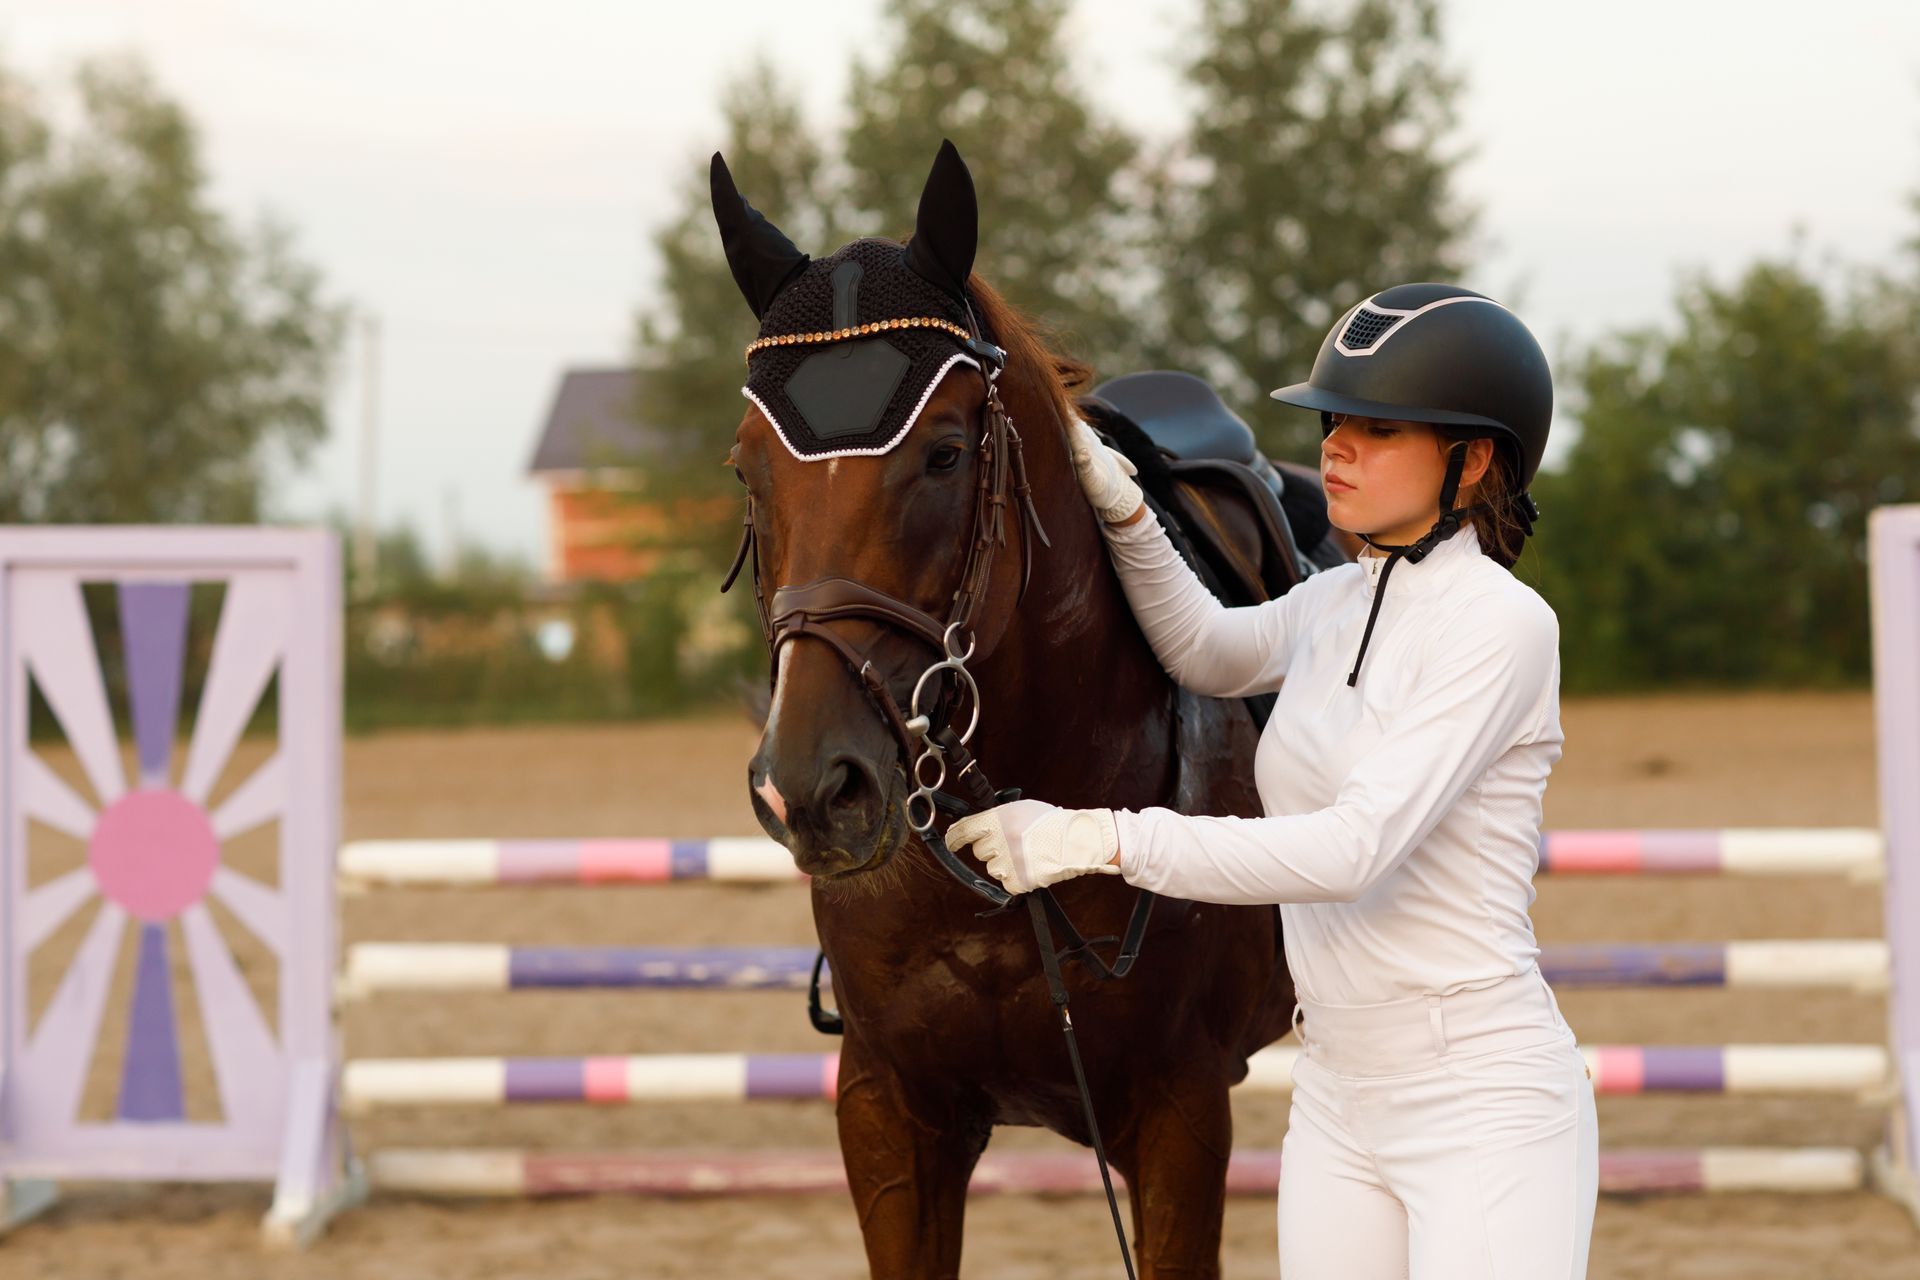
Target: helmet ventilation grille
[1365, 329]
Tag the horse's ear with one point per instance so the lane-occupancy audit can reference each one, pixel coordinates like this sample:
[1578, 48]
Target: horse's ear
[947, 230]
[762, 259]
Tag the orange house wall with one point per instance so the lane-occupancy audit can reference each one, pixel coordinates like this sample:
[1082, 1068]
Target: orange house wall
[595, 532]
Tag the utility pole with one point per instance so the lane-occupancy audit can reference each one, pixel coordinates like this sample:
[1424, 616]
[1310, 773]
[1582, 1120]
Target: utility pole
[365, 547]
[450, 517]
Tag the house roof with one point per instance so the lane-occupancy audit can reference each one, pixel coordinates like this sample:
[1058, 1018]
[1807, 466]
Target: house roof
[594, 422]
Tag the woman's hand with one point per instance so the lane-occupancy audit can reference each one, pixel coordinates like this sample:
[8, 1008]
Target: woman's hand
[1029, 844]
[1104, 475]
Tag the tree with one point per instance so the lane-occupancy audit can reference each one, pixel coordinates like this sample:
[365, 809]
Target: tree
[992, 75]
[691, 343]
[1709, 524]
[157, 363]
[1318, 168]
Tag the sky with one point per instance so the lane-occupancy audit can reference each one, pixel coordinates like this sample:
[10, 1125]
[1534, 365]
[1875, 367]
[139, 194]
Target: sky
[483, 177]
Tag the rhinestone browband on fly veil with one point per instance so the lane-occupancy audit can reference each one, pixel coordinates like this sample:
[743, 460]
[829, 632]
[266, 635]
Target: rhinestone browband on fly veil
[857, 331]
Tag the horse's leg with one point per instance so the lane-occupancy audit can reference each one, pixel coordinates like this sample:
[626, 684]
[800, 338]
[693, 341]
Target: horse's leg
[908, 1156]
[1176, 1165]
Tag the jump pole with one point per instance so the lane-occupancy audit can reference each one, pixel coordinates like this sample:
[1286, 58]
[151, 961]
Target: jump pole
[367, 1084]
[510, 1173]
[1856, 853]
[373, 968]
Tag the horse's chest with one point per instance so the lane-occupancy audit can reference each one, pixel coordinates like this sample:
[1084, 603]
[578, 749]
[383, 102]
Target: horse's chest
[935, 991]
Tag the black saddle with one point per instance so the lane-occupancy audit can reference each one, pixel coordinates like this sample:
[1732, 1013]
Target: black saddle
[1192, 451]
[1182, 414]
[1207, 443]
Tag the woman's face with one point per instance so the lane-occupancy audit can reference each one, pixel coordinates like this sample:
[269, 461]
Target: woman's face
[1382, 476]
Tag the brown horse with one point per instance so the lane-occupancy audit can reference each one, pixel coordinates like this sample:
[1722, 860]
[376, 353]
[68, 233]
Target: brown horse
[948, 1027]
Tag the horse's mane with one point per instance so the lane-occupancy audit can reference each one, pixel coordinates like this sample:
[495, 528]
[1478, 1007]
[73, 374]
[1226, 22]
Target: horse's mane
[1036, 375]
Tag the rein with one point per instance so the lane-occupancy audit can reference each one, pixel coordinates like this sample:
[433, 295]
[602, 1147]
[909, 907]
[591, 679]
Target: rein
[946, 776]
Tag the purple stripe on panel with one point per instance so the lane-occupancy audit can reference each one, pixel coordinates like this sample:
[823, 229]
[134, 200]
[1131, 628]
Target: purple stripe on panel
[784, 1075]
[153, 618]
[150, 1087]
[689, 860]
[546, 1080]
[1683, 1068]
[1680, 964]
[1680, 851]
[535, 860]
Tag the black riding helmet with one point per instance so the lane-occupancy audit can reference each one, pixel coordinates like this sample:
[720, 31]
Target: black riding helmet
[1440, 354]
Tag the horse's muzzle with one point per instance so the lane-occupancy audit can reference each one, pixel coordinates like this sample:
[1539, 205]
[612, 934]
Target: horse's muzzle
[852, 822]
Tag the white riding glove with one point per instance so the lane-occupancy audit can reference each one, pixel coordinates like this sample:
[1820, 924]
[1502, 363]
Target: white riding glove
[1103, 474]
[1029, 844]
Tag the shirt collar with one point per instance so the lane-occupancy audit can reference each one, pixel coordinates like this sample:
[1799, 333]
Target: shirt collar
[1441, 564]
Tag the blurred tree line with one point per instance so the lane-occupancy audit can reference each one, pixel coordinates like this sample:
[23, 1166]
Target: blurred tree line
[156, 363]
[1704, 527]
[481, 642]
[1708, 525]
[159, 364]
[1317, 155]
[1704, 516]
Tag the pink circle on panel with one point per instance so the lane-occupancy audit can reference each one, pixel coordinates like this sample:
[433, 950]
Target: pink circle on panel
[154, 853]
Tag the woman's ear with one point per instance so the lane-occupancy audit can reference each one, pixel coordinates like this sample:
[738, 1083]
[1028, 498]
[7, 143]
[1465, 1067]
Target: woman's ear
[1479, 458]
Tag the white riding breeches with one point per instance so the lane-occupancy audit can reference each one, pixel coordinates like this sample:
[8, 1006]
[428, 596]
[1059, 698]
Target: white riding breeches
[1440, 1138]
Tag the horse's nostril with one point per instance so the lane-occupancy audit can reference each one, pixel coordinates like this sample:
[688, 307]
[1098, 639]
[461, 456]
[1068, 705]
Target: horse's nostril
[845, 784]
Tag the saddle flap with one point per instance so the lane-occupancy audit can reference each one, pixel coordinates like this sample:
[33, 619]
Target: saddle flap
[1263, 570]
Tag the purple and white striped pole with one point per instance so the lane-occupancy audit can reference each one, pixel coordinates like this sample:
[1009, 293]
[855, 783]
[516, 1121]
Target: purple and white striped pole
[375, 967]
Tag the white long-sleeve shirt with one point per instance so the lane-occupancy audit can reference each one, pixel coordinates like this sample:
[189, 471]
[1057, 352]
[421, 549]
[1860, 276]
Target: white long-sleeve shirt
[1403, 814]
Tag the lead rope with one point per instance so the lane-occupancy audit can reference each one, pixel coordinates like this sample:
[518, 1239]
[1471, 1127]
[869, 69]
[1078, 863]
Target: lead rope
[1057, 988]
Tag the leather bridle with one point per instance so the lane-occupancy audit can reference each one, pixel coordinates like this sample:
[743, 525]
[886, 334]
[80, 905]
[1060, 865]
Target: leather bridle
[936, 757]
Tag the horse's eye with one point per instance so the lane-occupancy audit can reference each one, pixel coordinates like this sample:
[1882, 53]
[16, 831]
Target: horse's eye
[946, 457]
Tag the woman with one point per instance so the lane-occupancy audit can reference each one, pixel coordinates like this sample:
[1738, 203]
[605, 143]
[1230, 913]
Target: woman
[1442, 1123]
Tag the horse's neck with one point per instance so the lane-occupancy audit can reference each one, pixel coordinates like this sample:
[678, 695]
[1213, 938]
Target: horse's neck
[1073, 700]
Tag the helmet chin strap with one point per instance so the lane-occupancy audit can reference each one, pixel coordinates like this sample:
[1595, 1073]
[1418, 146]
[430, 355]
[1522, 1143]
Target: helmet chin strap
[1414, 552]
